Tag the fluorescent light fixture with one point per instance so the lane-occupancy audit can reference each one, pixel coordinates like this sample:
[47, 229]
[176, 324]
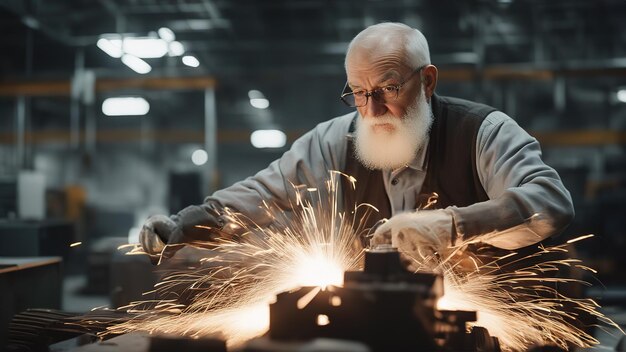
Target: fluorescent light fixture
[199, 157]
[199, 25]
[142, 47]
[125, 106]
[166, 34]
[258, 100]
[145, 47]
[621, 95]
[254, 94]
[110, 47]
[117, 41]
[268, 139]
[176, 49]
[191, 61]
[260, 103]
[136, 64]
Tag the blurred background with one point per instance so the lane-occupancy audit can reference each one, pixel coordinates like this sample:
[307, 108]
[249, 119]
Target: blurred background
[217, 89]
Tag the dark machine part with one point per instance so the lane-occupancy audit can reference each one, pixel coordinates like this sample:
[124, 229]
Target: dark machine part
[144, 342]
[31, 238]
[35, 329]
[47, 330]
[384, 306]
[27, 282]
[178, 343]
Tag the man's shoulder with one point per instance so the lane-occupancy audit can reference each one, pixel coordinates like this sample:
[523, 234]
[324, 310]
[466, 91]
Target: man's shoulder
[464, 104]
[337, 126]
[343, 120]
[461, 108]
[488, 114]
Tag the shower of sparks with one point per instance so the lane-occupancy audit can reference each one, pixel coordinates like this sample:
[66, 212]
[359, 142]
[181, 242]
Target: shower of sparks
[313, 245]
[310, 246]
[516, 298]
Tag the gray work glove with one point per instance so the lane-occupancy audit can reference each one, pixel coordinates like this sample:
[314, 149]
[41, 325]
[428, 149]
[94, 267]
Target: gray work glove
[194, 224]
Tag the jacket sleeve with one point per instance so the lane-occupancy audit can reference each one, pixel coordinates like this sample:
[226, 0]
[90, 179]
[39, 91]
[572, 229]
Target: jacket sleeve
[527, 200]
[307, 162]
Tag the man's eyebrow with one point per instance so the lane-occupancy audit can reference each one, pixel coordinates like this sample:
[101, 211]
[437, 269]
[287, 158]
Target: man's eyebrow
[352, 86]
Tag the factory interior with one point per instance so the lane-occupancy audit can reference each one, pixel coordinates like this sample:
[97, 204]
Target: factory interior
[116, 110]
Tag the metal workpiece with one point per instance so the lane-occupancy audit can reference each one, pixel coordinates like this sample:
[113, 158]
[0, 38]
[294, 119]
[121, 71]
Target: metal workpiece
[384, 306]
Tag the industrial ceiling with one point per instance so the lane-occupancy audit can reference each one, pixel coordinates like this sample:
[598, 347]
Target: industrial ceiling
[293, 50]
[306, 36]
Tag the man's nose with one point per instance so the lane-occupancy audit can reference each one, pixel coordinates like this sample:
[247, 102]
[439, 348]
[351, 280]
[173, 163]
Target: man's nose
[375, 107]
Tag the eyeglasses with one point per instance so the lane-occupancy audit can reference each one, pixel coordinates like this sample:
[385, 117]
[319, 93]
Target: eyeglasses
[383, 94]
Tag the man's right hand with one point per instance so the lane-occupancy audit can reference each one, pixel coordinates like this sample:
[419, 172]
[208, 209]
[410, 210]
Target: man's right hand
[158, 231]
[194, 224]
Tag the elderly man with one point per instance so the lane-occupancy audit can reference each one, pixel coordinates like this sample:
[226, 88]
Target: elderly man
[404, 144]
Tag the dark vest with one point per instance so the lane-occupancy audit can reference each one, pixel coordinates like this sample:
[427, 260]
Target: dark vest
[451, 162]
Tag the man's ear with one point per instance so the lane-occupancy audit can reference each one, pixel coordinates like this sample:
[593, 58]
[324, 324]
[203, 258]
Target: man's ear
[429, 79]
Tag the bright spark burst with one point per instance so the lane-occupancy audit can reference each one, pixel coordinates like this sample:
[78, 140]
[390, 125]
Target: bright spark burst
[516, 298]
[310, 246]
[315, 243]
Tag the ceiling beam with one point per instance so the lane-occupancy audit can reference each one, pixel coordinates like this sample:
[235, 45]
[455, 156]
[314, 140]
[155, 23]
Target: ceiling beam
[446, 73]
[63, 87]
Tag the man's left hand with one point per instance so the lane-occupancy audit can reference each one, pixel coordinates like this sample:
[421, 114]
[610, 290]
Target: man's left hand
[417, 235]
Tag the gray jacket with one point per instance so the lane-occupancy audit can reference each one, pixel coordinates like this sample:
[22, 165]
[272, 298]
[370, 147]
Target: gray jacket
[509, 166]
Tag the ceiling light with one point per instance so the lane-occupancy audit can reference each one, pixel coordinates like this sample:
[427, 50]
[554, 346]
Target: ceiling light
[258, 100]
[268, 139]
[199, 25]
[260, 103]
[621, 95]
[109, 47]
[145, 47]
[253, 94]
[117, 42]
[199, 157]
[191, 61]
[125, 106]
[176, 49]
[136, 64]
[166, 34]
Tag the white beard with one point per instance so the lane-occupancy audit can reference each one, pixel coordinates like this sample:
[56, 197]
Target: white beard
[385, 149]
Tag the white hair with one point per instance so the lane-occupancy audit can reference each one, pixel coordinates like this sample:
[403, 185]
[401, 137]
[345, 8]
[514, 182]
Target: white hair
[411, 41]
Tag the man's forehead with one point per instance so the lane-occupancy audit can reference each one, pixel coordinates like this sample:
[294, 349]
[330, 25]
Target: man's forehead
[375, 65]
[359, 73]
